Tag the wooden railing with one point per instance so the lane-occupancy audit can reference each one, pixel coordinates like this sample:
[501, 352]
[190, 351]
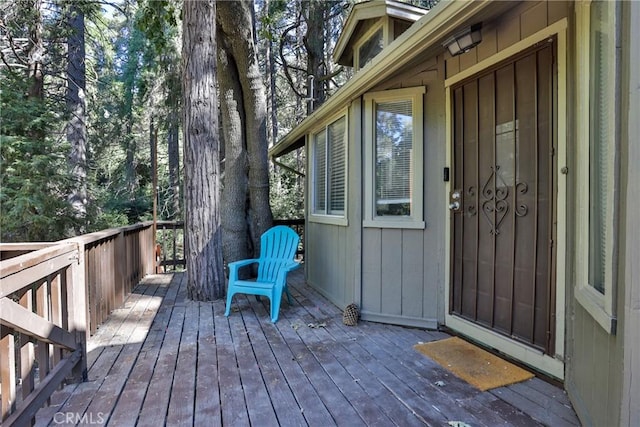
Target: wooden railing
[52, 295]
[115, 260]
[43, 325]
[170, 240]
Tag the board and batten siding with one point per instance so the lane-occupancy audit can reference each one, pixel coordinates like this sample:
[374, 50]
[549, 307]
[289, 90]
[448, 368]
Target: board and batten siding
[403, 269]
[330, 261]
[517, 24]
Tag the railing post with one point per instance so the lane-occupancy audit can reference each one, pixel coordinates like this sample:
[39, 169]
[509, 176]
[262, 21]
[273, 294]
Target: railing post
[77, 311]
[7, 372]
[151, 251]
[119, 262]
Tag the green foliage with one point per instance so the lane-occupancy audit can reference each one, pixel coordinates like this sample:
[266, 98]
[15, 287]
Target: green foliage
[21, 115]
[158, 21]
[34, 181]
[287, 188]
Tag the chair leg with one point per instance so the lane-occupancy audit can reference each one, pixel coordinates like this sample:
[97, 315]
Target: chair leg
[286, 290]
[229, 297]
[275, 307]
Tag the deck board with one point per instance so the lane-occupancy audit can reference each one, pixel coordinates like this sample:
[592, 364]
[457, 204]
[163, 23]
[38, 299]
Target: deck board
[164, 360]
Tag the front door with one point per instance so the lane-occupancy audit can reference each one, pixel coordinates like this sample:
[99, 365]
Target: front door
[502, 200]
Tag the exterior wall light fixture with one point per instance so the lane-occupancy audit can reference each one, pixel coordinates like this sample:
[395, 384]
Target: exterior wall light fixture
[464, 40]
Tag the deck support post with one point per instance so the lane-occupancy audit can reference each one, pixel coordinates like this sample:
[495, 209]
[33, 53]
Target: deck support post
[78, 311]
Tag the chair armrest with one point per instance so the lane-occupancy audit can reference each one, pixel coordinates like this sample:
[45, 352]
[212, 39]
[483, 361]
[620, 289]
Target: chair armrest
[291, 265]
[284, 270]
[242, 263]
[235, 266]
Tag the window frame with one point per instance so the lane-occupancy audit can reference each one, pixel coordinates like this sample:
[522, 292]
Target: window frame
[599, 305]
[327, 218]
[416, 219]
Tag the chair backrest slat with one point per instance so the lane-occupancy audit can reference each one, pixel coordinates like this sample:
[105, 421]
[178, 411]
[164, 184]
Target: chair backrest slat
[278, 245]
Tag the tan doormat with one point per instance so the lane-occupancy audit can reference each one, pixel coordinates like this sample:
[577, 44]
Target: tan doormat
[473, 364]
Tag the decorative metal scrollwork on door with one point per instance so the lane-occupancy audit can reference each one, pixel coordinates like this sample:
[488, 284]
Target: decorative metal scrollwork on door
[495, 204]
[494, 200]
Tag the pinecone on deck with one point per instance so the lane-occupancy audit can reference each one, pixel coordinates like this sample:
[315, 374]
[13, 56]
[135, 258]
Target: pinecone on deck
[350, 315]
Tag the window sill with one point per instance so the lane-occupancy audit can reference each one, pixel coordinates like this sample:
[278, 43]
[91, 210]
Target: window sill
[592, 301]
[328, 219]
[394, 223]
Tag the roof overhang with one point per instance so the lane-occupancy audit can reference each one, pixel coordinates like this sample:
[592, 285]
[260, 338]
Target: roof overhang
[424, 37]
[372, 10]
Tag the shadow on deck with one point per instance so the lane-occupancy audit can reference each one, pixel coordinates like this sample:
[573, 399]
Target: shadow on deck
[164, 360]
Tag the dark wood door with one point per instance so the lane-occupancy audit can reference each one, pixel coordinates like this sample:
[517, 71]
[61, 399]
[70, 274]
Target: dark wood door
[503, 221]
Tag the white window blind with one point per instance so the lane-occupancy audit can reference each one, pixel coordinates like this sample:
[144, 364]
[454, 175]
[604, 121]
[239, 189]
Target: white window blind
[336, 134]
[393, 164]
[319, 173]
[602, 58]
[329, 171]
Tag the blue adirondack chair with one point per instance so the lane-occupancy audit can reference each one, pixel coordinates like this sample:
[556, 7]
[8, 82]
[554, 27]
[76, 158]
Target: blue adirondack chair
[277, 249]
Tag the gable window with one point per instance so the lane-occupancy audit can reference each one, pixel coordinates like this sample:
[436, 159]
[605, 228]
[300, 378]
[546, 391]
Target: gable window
[393, 158]
[328, 169]
[596, 161]
[370, 48]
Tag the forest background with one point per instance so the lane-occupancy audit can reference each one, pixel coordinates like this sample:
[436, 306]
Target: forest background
[119, 93]
[90, 94]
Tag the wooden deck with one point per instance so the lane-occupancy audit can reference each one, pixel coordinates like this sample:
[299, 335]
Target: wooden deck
[165, 360]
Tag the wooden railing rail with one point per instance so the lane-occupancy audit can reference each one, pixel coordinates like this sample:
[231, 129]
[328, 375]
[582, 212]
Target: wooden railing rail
[43, 325]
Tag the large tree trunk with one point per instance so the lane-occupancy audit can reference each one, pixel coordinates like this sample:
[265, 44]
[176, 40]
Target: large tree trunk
[235, 245]
[270, 68]
[76, 128]
[205, 270]
[314, 44]
[173, 129]
[246, 103]
[36, 51]
[174, 162]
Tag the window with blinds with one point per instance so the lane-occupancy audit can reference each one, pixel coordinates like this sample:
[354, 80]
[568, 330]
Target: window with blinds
[319, 173]
[597, 154]
[329, 171]
[336, 174]
[393, 149]
[601, 120]
[393, 159]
